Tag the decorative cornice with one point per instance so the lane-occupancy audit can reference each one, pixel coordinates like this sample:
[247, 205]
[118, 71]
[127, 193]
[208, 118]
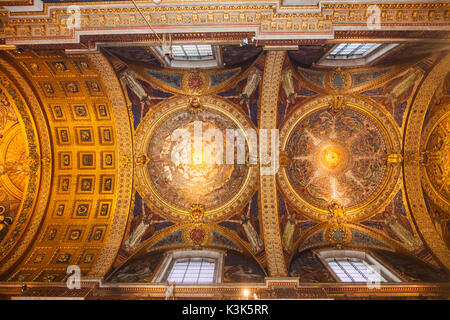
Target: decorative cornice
[278, 288]
[265, 19]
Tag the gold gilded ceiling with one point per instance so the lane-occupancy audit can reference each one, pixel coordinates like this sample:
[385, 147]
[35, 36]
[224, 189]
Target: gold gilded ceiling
[80, 118]
[362, 164]
[14, 165]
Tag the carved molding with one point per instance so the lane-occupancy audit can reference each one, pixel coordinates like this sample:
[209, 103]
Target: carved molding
[411, 169]
[266, 19]
[44, 152]
[125, 173]
[269, 196]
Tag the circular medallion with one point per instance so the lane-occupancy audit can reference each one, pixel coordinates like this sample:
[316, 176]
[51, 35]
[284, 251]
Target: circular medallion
[337, 234]
[334, 157]
[188, 160]
[197, 235]
[194, 83]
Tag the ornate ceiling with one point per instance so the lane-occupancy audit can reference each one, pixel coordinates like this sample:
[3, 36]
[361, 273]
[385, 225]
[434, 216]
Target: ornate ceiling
[90, 174]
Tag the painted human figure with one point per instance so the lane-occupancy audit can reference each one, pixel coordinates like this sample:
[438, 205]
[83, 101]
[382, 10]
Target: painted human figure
[130, 80]
[406, 236]
[21, 167]
[136, 236]
[240, 273]
[253, 80]
[145, 224]
[288, 87]
[245, 221]
[134, 273]
[289, 229]
[399, 89]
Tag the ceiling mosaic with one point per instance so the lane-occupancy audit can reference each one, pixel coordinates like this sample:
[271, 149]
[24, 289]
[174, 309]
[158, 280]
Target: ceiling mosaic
[200, 203]
[122, 196]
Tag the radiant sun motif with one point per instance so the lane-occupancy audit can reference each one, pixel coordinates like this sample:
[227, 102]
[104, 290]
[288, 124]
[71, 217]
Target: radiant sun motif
[331, 157]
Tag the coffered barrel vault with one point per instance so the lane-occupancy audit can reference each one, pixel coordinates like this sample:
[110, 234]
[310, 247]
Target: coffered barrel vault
[90, 186]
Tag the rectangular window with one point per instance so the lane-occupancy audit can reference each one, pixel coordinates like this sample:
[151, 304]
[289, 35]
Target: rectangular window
[354, 270]
[353, 50]
[193, 270]
[192, 52]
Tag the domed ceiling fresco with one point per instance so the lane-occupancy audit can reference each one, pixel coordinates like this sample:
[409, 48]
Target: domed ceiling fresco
[338, 157]
[206, 179]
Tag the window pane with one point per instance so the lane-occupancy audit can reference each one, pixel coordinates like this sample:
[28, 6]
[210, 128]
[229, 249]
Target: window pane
[352, 50]
[194, 270]
[353, 270]
[192, 51]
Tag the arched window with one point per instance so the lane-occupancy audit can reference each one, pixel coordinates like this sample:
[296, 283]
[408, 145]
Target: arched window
[191, 266]
[355, 266]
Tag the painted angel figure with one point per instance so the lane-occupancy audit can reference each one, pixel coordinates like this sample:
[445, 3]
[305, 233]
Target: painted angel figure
[129, 80]
[404, 85]
[289, 229]
[255, 241]
[136, 236]
[399, 89]
[407, 237]
[288, 87]
[253, 80]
